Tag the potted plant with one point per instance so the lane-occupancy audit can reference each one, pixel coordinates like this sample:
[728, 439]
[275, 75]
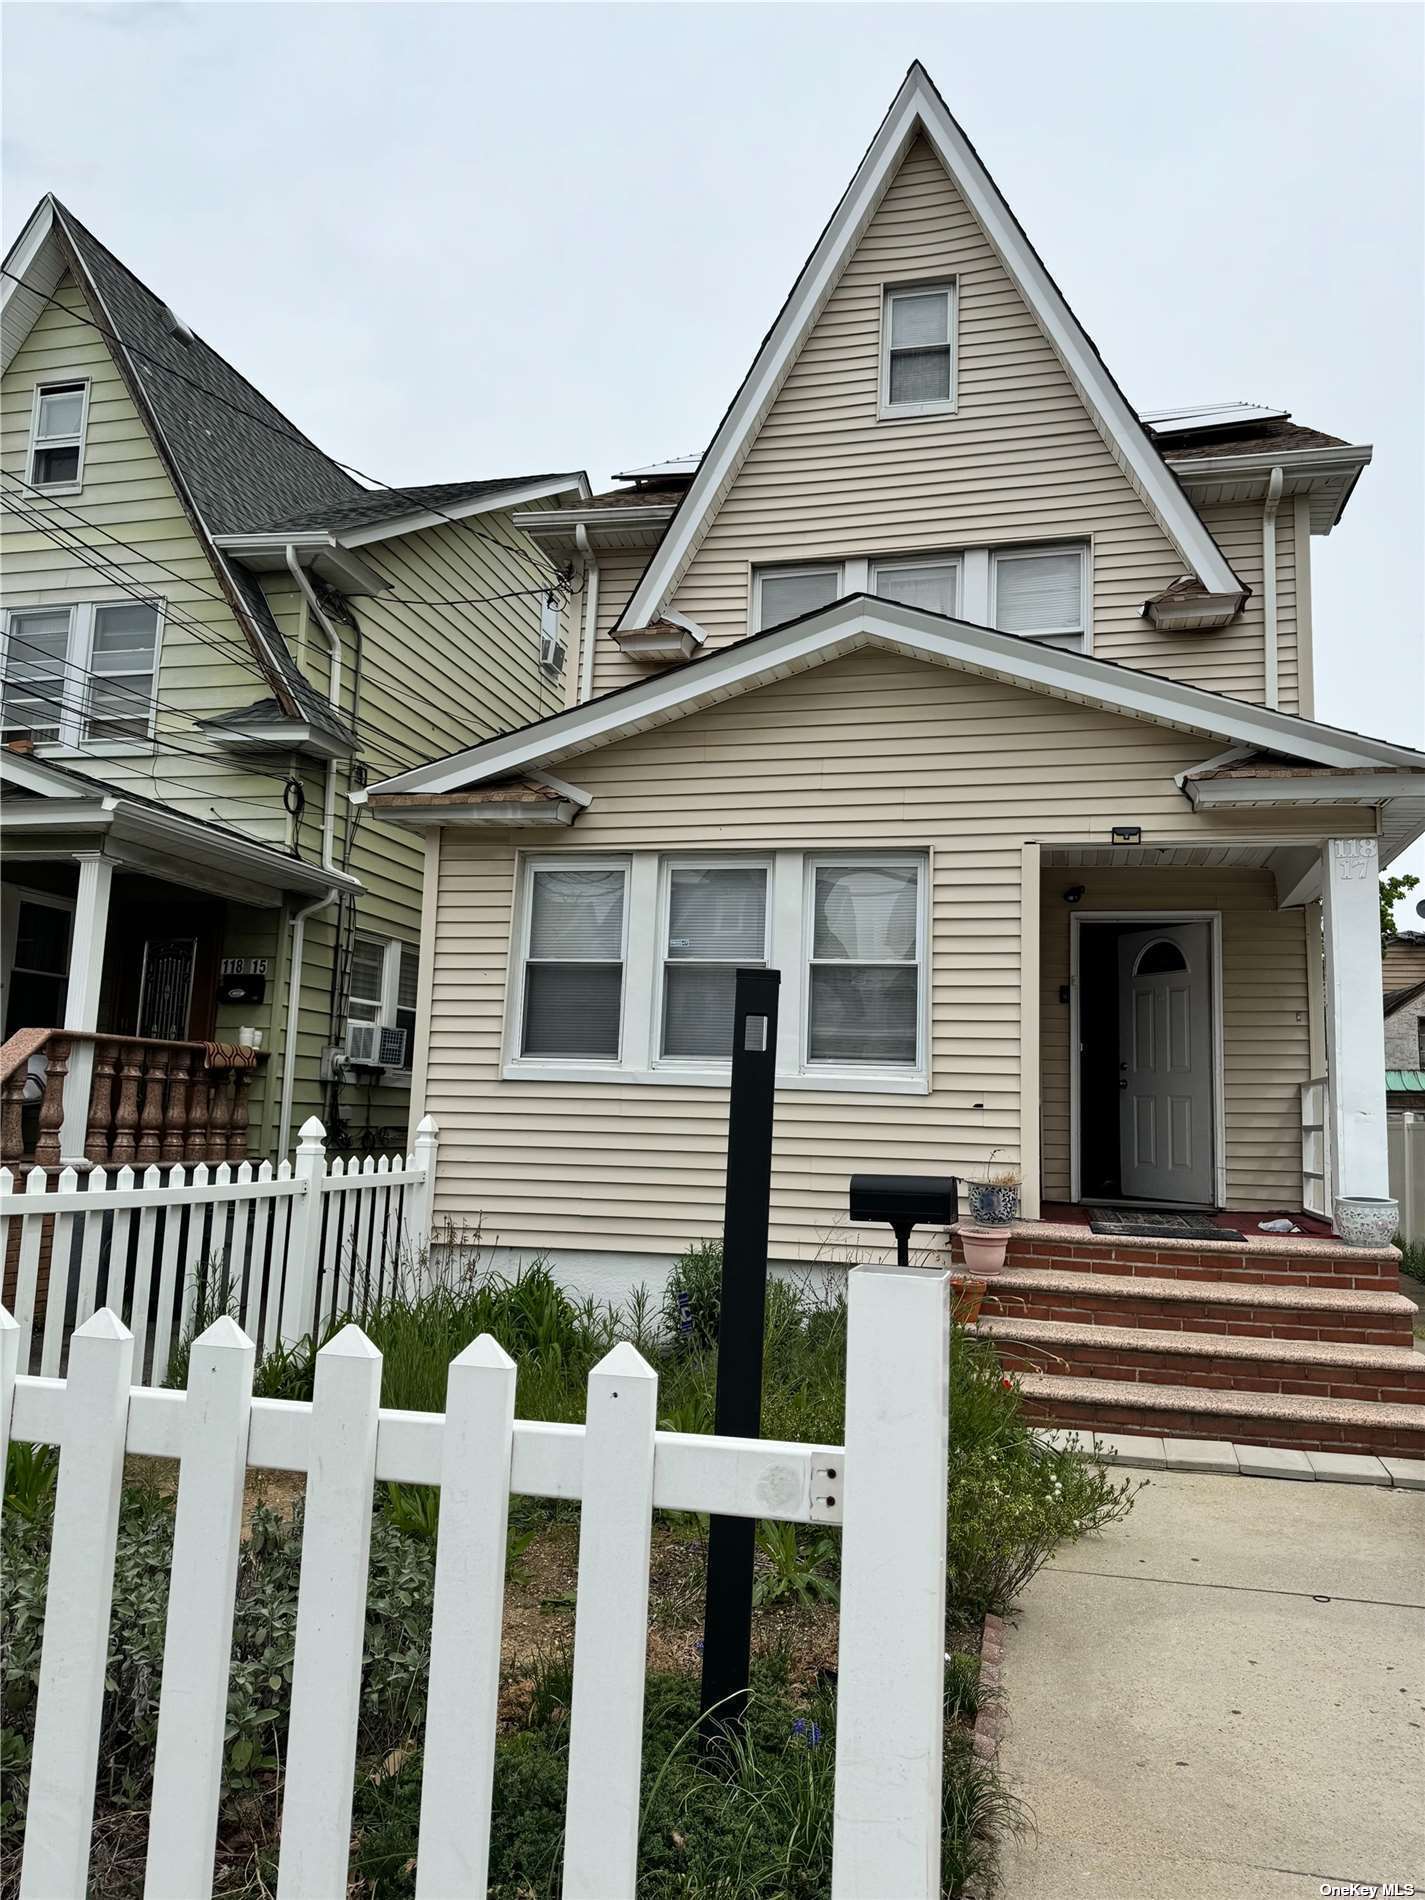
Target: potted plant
[968, 1295]
[983, 1247]
[994, 1201]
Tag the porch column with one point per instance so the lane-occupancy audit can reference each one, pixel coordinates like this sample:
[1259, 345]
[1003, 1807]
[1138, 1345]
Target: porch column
[1355, 1023]
[1029, 1032]
[81, 1006]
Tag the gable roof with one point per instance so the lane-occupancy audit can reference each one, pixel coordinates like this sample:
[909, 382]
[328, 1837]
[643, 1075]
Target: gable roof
[919, 111]
[1397, 999]
[865, 620]
[389, 509]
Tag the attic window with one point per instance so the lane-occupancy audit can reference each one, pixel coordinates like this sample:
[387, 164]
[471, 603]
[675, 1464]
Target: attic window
[57, 434]
[918, 350]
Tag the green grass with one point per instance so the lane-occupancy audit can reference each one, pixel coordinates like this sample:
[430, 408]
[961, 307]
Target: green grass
[1412, 1258]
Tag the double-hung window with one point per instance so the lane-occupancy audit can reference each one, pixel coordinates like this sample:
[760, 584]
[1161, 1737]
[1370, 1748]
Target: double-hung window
[865, 950]
[785, 593]
[1040, 593]
[575, 940]
[57, 434]
[715, 924]
[919, 583]
[918, 350]
[81, 674]
[383, 987]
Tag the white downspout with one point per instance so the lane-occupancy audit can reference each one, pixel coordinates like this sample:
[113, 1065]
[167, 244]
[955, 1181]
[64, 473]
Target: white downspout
[294, 1008]
[1271, 692]
[591, 613]
[308, 592]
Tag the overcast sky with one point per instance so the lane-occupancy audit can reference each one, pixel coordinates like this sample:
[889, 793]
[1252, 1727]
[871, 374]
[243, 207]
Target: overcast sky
[462, 240]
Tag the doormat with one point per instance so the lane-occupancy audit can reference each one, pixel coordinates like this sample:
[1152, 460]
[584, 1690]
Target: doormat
[1130, 1224]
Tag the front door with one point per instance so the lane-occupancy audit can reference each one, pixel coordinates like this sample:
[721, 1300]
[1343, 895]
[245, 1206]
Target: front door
[166, 987]
[1165, 1049]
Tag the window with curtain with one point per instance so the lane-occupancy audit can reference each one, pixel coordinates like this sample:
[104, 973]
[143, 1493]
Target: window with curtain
[1040, 593]
[932, 584]
[786, 593]
[121, 667]
[863, 981]
[58, 439]
[573, 977]
[918, 332]
[717, 923]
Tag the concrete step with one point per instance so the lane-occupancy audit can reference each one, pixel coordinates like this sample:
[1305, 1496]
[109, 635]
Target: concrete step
[1356, 1316]
[1259, 1261]
[1244, 1418]
[1308, 1367]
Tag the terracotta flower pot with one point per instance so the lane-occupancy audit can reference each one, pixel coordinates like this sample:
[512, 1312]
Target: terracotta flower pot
[968, 1295]
[984, 1248]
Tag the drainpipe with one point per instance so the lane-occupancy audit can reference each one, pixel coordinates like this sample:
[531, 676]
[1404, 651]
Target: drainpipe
[1269, 584]
[294, 1005]
[308, 592]
[591, 613]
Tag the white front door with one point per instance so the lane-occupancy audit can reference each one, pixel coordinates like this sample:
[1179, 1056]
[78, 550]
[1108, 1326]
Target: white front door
[1165, 1050]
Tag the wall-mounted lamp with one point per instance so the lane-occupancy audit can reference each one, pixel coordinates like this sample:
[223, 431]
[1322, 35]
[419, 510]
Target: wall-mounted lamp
[1074, 894]
[1127, 834]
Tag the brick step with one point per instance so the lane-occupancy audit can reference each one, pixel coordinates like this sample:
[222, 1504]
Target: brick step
[1259, 1262]
[1308, 1367]
[1350, 1316]
[1242, 1418]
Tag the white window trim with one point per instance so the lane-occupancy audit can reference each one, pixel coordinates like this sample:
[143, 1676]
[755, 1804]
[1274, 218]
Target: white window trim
[696, 861]
[891, 563]
[888, 411]
[78, 441]
[1031, 551]
[72, 742]
[567, 1067]
[640, 1021]
[890, 860]
[782, 570]
[391, 948]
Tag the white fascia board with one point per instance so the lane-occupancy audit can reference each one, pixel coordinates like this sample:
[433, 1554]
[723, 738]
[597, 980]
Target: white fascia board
[563, 520]
[918, 108]
[1199, 471]
[311, 547]
[75, 814]
[516, 497]
[848, 624]
[265, 864]
[36, 256]
[1351, 788]
[515, 816]
[33, 775]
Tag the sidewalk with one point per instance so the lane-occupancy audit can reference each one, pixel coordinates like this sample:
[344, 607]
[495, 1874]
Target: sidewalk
[1225, 1694]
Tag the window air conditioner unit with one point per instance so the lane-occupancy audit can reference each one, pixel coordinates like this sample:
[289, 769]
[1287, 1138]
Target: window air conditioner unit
[375, 1046]
[551, 647]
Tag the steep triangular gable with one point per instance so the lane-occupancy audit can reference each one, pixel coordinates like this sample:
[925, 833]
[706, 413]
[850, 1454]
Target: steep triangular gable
[919, 112]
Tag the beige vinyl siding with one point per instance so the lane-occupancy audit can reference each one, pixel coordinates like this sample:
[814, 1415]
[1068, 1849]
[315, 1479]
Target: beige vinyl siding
[1021, 460]
[871, 751]
[618, 576]
[1266, 1030]
[126, 493]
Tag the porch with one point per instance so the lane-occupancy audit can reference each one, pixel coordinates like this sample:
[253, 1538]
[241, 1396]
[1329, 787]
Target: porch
[142, 955]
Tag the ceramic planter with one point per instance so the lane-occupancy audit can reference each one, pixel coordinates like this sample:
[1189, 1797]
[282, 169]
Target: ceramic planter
[1363, 1222]
[990, 1204]
[984, 1248]
[968, 1296]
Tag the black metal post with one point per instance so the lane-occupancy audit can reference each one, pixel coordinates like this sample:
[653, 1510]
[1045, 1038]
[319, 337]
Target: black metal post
[727, 1619]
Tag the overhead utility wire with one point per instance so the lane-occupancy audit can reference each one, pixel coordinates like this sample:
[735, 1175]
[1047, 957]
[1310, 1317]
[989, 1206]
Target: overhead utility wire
[418, 501]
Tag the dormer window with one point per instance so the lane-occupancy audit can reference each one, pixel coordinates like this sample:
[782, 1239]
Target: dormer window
[918, 350]
[57, 434]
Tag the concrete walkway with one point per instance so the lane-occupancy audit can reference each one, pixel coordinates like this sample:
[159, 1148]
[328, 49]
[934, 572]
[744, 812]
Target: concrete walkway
[1224, 1695]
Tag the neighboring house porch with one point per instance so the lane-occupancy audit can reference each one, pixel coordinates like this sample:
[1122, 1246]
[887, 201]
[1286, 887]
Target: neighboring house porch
[138, 943]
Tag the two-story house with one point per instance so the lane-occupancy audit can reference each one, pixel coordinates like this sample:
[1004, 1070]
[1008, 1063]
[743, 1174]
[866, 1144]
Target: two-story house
[980, 705]
[212, 631]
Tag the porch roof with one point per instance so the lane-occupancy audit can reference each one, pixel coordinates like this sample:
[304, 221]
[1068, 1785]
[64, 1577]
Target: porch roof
[52, 811]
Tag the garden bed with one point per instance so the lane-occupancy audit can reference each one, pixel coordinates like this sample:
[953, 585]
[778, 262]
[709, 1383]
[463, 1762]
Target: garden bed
[755, 1820]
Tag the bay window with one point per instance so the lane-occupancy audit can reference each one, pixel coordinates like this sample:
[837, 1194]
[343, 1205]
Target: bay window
[626, 969]
[573, 965]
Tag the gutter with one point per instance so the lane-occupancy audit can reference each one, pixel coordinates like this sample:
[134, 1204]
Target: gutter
[1271, 686]
[591, 612]
[294, 1008]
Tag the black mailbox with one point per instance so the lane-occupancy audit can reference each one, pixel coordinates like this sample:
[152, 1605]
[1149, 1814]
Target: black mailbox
[905, 1201]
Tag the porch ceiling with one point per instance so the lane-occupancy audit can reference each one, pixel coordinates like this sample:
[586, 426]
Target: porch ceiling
[1157, 857]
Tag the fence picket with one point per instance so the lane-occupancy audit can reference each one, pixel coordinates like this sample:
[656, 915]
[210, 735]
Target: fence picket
[28, 1272]
[89, 1247]
[300, 1279]
[331, 1621]
[116, 1268]
[260, 1273]
[9, 1372]
[65, 1752]
[237, 1255]
[890, 1718]
[143, 1271]
[195, 1255]
[7, 1188]
[464, 1676]
[611, 1629]
[193, 1700]
[173, 1219]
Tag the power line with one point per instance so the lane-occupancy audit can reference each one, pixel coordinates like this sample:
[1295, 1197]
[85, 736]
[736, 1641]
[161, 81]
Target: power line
[419, 502]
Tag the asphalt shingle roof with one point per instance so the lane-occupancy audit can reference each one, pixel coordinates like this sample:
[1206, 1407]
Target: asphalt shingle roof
[1254, 438]
[370, 506]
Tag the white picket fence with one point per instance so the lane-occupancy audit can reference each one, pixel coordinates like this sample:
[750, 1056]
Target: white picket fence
[885, 1488]
[286, 1247]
